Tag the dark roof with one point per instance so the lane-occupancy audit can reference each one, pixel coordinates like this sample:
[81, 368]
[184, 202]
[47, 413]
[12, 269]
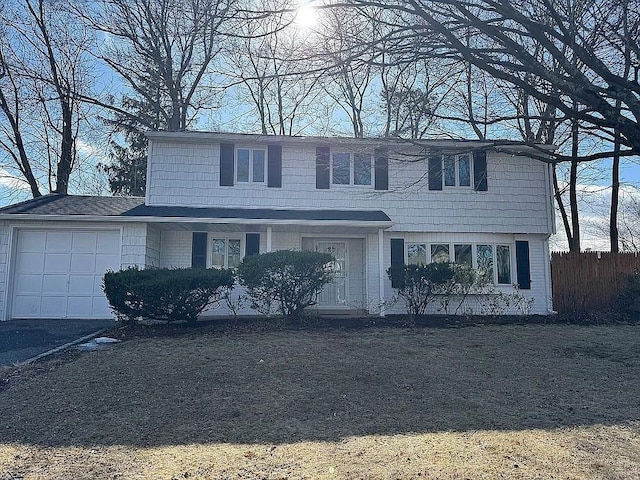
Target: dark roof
[258, 213]
[133, 207]
[54, 204]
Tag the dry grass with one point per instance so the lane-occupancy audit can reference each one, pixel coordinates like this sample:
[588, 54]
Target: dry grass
[540, 401]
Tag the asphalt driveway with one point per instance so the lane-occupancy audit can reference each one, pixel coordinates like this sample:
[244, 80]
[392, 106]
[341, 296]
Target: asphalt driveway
[21, 340]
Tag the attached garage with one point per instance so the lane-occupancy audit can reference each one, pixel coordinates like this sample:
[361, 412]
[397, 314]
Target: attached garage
[57, 273]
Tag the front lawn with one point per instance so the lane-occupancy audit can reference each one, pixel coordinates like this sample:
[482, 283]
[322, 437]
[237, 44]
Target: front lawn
[538, 401]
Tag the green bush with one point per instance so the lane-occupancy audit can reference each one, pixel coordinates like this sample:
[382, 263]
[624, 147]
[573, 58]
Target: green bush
[420, 285]
[165, 294]
[289, 279]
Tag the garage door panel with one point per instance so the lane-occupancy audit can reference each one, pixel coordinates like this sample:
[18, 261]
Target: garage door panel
[26, 305]
[52, 283]
[100, 304]
[84, 242]
[31, 241]
[53, 305]
[80, 306]
[106, 262]
[28, 284]
[58, 241]
[109, 243]
[29, 262]
[83, 263]
[97, 284]
[56, 262]
[58, 273]
[81, 284]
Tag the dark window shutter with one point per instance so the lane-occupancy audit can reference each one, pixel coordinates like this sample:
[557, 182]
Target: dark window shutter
[322, 167]
[252, 244]
[199, 249]
[523, 266]
[381, 156]
[435, 173]
[226, 164]
[397, 260]
[274, 166]
[480, 170]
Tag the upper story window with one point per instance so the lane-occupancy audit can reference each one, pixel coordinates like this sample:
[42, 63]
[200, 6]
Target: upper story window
[456, 170]
[250, 164]
[493, 262]
[465, 170]
[243, 164]
[370, 168]
[351, 168]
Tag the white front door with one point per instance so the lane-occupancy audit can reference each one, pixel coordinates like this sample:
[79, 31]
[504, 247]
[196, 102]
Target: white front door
[335, 293]
[58, 273]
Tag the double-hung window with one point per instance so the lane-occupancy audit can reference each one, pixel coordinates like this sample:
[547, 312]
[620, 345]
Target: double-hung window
[493, 262]
[250, 165]
[225, 252]
[456, 170]
[351, 169]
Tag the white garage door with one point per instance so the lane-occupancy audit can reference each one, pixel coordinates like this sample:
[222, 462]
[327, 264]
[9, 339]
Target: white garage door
[58, 273]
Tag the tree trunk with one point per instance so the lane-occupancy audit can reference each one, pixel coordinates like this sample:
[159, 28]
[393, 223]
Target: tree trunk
[563, 211]
[615, 193]
[65, 163]
[574, 244]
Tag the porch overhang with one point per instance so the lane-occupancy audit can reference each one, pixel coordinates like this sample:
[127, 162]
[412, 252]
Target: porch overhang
[84, 209]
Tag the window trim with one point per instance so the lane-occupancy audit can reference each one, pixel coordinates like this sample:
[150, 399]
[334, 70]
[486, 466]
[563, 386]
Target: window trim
[474, 255]
[226, 237]
[265, 150]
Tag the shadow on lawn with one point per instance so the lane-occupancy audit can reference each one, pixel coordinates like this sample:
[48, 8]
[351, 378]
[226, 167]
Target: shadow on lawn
[283, 387]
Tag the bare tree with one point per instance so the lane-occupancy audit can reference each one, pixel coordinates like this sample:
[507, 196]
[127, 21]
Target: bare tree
[43, 71]
[161, 52]
[578, 61]
[505, 30]
[271, 59]
[167, 44]
[412, 93]
[349, 53]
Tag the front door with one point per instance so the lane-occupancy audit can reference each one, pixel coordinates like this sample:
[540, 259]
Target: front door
[335, 293]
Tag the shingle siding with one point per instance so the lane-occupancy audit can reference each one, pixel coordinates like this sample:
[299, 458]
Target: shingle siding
[152, 253]
[517, 199]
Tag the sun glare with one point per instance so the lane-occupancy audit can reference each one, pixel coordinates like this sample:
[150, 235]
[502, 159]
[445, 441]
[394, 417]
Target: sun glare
[306, 16]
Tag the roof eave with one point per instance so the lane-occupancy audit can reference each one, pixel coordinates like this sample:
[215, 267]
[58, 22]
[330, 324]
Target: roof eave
[216, 137]
[218, 221]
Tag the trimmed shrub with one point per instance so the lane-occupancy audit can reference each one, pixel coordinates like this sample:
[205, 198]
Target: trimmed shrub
[421, 285]
[289, 279]
[165, 294]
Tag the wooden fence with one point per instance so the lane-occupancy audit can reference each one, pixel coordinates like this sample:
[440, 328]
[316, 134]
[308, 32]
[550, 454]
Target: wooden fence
[590, 280]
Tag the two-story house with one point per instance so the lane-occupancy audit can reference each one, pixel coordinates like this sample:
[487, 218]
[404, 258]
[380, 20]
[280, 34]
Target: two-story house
[213, 198]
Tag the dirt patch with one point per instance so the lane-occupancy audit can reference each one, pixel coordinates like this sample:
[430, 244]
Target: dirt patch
[536, 401]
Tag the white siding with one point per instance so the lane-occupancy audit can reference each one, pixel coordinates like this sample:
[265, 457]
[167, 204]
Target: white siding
[5, 254]
[517, 201]
[152, 254]
[357, 280]
[175, 249]
[134, 245]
